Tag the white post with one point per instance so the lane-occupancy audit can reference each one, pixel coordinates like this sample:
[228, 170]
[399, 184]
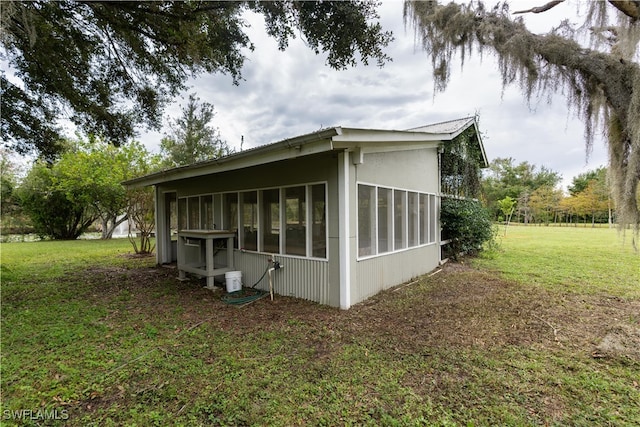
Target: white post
[344, 230]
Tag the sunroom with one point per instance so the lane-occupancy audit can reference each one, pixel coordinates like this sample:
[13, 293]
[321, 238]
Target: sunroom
[346, 212]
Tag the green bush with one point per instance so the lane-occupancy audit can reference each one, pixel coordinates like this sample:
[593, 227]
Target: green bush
[53, 213]
[466, 223]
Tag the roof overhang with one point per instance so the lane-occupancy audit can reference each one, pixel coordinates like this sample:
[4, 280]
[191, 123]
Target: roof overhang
[357, 140]
[304, 145]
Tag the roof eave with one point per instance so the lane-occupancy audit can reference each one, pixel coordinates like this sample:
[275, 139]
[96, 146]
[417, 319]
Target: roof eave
[316, 142]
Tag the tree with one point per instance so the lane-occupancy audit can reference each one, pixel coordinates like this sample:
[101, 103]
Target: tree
[8, 181]
[141, 204]
[91, 173]
[507, 206]
[65, 197]
[192, 138]
[52, 212]
[595, 200]
[580, 182]
[545, 203]
[602, 83]
[506, 179]
[593, 195]
[112, 66]
[11, 216]
[593, 191]
[141, 213]
[570, 207]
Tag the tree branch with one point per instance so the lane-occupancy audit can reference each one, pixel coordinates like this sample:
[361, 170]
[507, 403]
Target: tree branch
[541, 9]
[631, 8]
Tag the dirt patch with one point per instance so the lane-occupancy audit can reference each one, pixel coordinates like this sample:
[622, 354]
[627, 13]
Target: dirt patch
[622, 340]
[458, 307]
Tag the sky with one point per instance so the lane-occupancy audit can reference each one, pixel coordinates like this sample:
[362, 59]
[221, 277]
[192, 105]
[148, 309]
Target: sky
[290, 93]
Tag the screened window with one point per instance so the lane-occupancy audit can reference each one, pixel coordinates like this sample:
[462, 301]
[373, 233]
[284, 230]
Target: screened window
[413, 219]
[424, 219]
[271, 220]
[230, 221]
[366, 220]
[173, 214]
[230, 216]
[276, 220]
[296, 220]
[250, 220]
[385, 220]
[196, 213]
[193, 206]
[206, 215]
[400, 219]
[433, 218]
[319, 221]
[218, 204]
[394, 219]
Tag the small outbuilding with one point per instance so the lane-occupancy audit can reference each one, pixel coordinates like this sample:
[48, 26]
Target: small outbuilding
[346, 212]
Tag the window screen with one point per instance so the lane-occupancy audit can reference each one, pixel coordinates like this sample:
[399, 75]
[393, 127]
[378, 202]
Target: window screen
[250, 220]
[271, 220]
[366, 220]
[319, 219]
[296, 218]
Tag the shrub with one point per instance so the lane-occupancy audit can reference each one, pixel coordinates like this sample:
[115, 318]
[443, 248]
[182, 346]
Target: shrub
[53, 213]
[466, 223]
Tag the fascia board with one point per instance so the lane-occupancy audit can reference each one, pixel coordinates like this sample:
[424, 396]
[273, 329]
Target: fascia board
[351, 138]
[479, 136]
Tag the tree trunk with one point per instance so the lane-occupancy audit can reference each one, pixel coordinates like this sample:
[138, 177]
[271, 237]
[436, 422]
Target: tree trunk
[109, 225]
[105, 228]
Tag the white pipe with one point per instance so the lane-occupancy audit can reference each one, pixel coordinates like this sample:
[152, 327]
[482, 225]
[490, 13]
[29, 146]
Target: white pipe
[270, 282]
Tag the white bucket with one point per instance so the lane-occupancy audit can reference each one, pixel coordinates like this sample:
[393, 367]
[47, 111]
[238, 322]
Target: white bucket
[234, 280]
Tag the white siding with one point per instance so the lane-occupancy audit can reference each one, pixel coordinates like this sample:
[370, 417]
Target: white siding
[384, 272]
[303, 278]
[414, 170]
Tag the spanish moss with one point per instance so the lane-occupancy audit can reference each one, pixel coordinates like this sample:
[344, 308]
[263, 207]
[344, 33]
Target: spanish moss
[601, 83]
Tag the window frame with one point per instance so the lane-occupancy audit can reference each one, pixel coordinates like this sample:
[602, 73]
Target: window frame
[309, 211]
[424, 220]
[372, 211]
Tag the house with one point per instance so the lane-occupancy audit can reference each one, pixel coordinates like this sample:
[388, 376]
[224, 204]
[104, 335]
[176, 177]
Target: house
[347, 212]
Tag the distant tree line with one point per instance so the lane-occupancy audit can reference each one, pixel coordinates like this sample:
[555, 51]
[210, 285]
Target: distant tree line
[524, 193]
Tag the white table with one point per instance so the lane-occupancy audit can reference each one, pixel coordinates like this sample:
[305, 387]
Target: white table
[203, 265]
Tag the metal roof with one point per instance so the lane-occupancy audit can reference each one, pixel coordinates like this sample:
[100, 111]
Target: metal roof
[449, 127]
[327, 139]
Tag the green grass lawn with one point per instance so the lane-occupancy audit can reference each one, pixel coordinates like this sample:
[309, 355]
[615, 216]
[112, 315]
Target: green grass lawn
[92, 335]
[575, 259]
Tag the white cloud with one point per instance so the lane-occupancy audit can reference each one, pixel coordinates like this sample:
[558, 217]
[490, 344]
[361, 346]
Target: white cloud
[289, 93]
